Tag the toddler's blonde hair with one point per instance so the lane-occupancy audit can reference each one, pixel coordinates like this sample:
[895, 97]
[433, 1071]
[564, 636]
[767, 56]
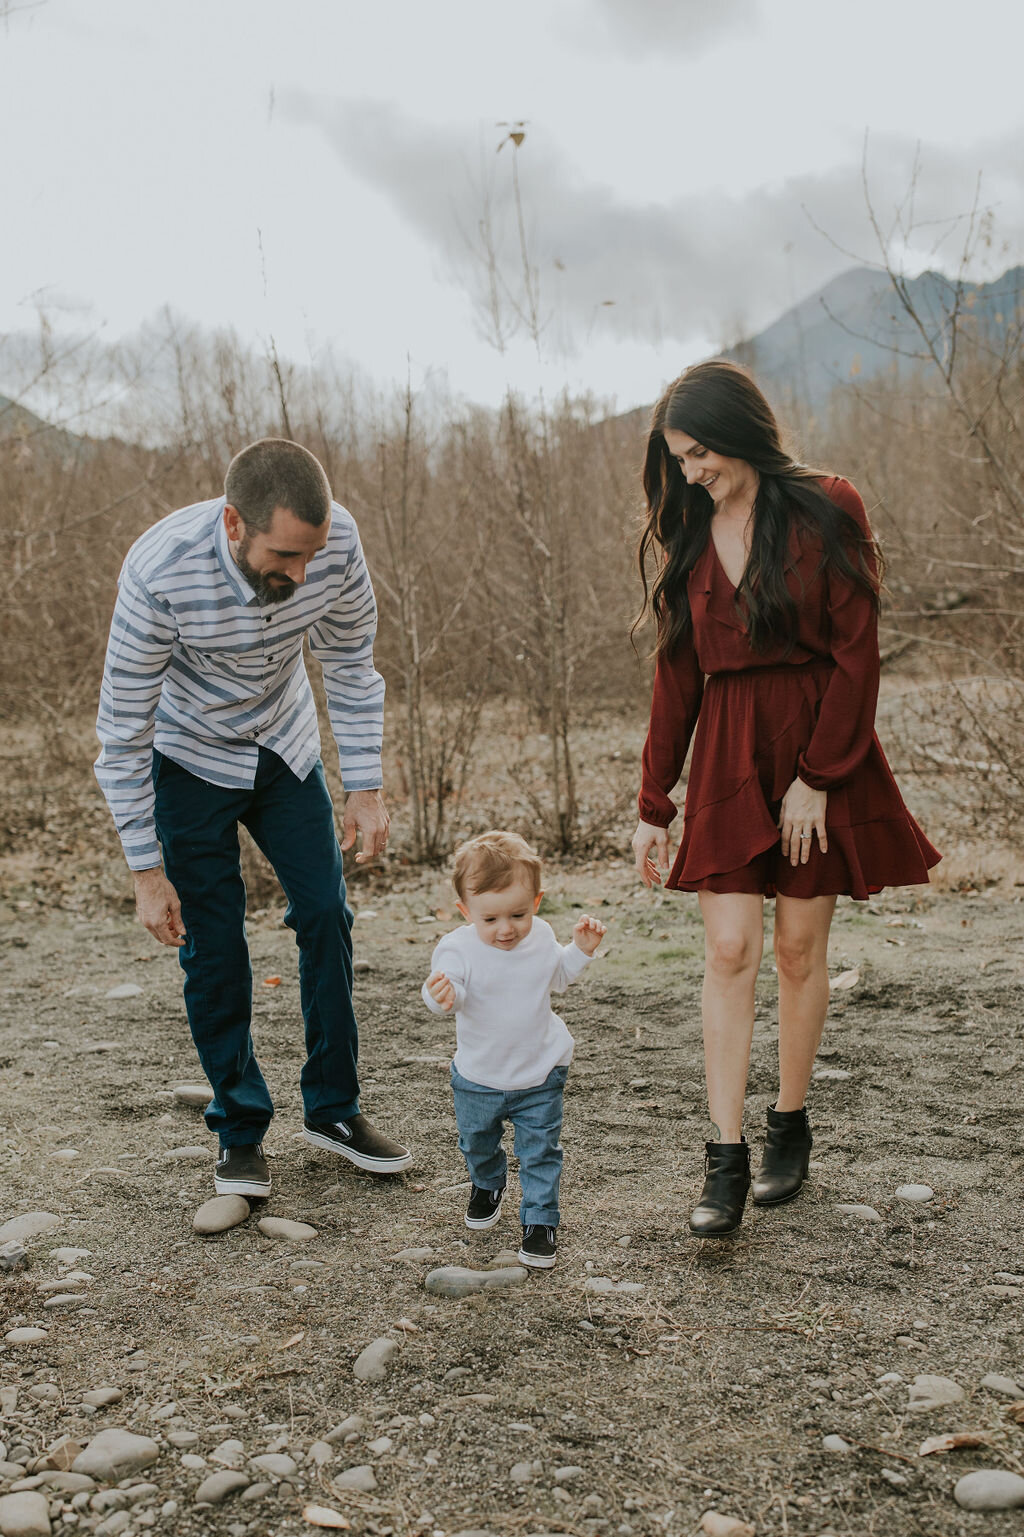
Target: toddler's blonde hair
[492, 862]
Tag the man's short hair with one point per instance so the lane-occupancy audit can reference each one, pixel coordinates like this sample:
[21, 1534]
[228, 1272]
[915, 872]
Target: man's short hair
[492, 862]
[277, 473]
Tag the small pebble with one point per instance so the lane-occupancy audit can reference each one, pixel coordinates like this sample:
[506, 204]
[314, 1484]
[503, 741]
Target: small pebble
[31, 1225]
[230, 1453]
[276, 1464]
[456, 1281]
[220, 1213]
[836, 1444]
[193, 1462]
[602, 1283]
[928, 1392]
[525, 1472]
[113, 1454]
[25, 1336]
[288, 1232]
[567, 1475]
[914, 1193]
[1004, 1385]
[361, 1479]
[197, 1094]
[380, 1446]
[354, 1425]
[990, 1489]
[865, 1213]
[70, 1256]
[218, 1486]
[413, 1256]
[65, 1155]
[373, 1362]
[13, 1255]
[125, 990]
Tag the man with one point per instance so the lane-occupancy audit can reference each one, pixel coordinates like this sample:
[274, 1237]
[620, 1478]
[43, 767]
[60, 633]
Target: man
[206, 721]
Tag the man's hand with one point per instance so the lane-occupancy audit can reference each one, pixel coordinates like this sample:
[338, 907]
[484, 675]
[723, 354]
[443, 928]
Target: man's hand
[588, 934]
[441, 990]
[157, 905]
[367, 815]
[646, 838]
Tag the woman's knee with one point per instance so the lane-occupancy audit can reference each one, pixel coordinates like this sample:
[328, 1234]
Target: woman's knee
[798, 956]
[732, 952]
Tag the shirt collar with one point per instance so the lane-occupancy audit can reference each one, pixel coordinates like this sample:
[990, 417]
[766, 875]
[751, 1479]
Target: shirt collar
[236, 581]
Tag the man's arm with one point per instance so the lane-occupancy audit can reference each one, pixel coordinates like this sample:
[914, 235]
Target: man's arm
[138, 654]
[342, 643]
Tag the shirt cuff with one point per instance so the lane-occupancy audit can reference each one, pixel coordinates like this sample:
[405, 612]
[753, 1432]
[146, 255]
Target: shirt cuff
[576, 960]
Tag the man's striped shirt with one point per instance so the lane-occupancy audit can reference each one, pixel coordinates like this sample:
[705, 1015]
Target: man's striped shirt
[198, 668]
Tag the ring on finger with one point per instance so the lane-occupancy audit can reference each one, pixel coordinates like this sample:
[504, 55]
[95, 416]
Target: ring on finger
[804, 837]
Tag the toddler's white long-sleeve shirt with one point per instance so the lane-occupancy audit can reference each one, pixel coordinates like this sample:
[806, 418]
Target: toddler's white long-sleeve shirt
[507, 1035]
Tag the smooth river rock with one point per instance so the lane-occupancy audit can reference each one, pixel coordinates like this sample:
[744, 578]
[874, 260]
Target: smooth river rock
[31, 1225]
[218, 1486]
[277, 1464]
[457, 1281]
[990, 1489]
[372, 1363]
[361, 1478]
[287, 1232]
[113, 1454]
[865, 1213]
[914, 1193]
[198, 1095]
[998, 1384]
[13, 1255]
[220, 1213]
[24, 1515]
[927, 1392]
[26, 1336]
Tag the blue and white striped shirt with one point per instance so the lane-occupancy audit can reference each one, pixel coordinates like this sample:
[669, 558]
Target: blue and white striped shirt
[198, 668]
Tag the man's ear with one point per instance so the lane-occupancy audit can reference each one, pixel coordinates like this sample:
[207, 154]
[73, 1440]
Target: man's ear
[538, 899]
[463, 909]
[234, 524]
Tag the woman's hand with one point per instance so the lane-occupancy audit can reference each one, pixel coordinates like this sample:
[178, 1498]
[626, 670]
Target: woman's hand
[646, 838]
[801, 817]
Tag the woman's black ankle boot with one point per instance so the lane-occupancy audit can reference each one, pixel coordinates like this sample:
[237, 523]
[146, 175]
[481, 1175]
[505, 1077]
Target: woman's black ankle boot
[719, 1211]
[787, 1152]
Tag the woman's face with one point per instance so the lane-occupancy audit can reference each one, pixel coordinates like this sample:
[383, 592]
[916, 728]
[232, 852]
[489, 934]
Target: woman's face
[725, 480]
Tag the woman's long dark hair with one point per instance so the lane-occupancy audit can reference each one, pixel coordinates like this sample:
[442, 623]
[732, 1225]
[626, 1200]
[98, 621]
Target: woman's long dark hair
[721, 408]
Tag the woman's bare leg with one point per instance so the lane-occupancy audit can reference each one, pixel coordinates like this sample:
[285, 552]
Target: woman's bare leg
[801, 955]
[733, 942]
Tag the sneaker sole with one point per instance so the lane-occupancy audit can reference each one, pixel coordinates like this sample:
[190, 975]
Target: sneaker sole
[241, 1187]
[537, 1261]
[478, 1223]
[361, 1160]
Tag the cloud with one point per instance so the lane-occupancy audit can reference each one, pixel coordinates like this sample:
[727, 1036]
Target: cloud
[643, 27]
[702, 264]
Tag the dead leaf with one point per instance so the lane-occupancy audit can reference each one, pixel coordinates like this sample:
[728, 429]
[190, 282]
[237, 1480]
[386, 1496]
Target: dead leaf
[443, 914]
[271, 981]
[1015, 1412]
[294, 1340]
[322, 1515]
[844, 982]
[714, 1524]
[950, 1443]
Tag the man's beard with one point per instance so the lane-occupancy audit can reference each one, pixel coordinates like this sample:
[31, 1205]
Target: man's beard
[259, 581]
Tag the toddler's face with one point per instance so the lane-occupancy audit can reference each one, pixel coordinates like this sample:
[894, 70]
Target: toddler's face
[502, 918]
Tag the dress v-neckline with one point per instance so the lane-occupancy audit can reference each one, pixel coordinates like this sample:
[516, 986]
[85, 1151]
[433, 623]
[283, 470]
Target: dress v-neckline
[734, 587]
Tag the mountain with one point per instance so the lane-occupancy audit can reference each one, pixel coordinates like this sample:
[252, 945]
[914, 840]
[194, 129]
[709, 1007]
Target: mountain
[855, 328]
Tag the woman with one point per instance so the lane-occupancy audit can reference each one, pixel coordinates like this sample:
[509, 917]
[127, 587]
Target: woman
[767, 588]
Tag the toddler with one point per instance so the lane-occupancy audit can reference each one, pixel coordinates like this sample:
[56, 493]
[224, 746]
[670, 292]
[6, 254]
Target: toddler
[512, 1052]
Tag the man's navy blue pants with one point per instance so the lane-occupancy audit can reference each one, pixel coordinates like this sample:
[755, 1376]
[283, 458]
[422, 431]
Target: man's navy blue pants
[292, 821]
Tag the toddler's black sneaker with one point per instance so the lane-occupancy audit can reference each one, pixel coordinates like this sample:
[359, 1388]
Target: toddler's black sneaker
[484, 1207]
[538, 1247]
[242, 1171]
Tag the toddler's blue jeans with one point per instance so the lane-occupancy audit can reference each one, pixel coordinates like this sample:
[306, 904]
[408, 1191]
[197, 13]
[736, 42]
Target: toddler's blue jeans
[292, 821]
[536, 1117]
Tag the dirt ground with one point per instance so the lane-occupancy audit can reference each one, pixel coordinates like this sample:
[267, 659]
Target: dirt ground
[711, 1388]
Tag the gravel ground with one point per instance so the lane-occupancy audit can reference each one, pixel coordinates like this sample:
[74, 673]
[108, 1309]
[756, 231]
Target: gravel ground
[708, 1382]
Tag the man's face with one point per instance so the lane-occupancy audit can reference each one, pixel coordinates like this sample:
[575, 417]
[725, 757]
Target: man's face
[274, 563]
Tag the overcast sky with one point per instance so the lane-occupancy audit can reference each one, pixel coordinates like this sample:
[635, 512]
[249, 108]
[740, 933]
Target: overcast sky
[318, 171]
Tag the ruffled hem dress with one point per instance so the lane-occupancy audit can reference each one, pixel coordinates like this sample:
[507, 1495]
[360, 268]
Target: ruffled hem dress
[758, 721]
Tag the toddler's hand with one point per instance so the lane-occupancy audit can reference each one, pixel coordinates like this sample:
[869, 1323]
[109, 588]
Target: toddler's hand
[441, 990]
[589, 933]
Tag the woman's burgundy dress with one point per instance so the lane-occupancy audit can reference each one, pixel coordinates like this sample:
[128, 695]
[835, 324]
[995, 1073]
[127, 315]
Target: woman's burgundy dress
[761, 721]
